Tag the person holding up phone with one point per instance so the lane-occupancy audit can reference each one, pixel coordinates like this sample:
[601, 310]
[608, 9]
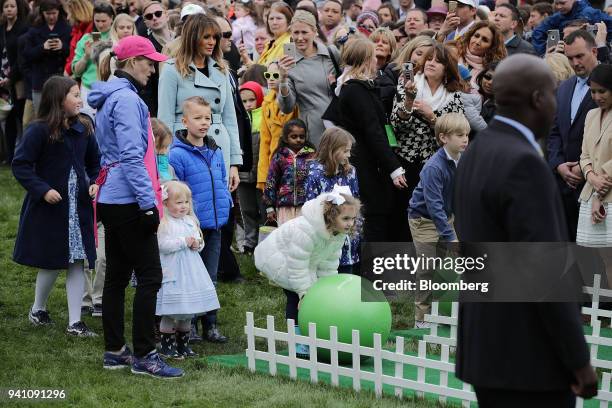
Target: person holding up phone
[596, 165]
[461, 15]
[83, 65]
[308, 71]
[48, 46]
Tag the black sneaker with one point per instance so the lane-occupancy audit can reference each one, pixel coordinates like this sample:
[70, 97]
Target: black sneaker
[97, 311]
[86, 310]
[40, 318]
[214, 336]
[80, 329]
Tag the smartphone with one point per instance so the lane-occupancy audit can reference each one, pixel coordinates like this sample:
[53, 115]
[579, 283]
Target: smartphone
[553, 39]
[241, 36]
[53, 36]
[452, 6]
[290, 50]
[408, 70]
[96, 35]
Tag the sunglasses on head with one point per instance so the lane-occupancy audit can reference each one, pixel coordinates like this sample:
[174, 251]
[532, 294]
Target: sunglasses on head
[158, 14]
[345, 37]
[271, 75]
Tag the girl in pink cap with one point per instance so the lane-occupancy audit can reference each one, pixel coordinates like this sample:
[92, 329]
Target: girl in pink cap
[127, 205]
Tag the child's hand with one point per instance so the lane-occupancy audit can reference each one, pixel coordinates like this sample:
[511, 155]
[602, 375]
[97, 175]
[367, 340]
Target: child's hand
[52, 197]
[190, 241]
[93, 190]
[271, 216]
[195, 245]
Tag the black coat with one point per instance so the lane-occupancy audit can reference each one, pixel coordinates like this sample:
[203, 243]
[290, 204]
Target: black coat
[244, 127]
[39, 166]
[386, 82]
[519, 46]
[360, 112]
[44, 63]
[9, 39]
[150, 90]
[504, 192]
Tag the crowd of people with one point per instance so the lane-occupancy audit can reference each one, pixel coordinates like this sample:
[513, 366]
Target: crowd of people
[191, 125]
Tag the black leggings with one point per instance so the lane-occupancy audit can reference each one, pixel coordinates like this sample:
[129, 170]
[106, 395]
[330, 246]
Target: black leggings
[291, 310]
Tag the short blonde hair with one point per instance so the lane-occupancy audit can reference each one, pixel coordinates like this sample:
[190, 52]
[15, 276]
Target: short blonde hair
[331, 211]
[384, 32]
[178, 188]
[194, 100]
[406, 52]
[560, 66]
[452, 123]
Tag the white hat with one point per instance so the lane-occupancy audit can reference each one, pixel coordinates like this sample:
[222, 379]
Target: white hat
[471, 3]
[191, 9]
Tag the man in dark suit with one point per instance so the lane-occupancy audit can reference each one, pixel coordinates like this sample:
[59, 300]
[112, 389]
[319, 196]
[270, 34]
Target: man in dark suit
[565, 140]
[517, 354]
[507, 18]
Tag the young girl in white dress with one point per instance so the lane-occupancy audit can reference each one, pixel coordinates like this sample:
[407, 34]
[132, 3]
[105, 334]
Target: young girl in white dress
[186, 290]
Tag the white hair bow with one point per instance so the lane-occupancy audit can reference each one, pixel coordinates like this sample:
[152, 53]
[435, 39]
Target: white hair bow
[335, 195]
[164, 192]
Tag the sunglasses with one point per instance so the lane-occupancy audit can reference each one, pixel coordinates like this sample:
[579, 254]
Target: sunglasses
[226, 34]
[271, 75]
[158, 14]
[366, 27]
[342, 40]
[488, 77]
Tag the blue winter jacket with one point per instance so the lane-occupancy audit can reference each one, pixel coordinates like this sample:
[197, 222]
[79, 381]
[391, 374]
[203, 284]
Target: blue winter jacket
[203, 169]
[581, 10]
[122, 124]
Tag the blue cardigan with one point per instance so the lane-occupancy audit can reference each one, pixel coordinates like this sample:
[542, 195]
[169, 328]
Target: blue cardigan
[433, 196]
[203, 170]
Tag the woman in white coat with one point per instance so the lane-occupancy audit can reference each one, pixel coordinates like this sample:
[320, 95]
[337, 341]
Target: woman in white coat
[199, 70]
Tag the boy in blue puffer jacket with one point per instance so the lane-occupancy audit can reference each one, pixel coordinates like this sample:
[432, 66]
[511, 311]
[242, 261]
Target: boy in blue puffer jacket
[198, 161]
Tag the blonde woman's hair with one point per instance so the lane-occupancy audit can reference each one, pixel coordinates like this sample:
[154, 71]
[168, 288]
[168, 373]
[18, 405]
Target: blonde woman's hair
[332, 141]
[162, 135]
[331, 211]
[452, 123]
[358, 54]
[560, 66]
[384, 32]
[193, 30]
[119, 19]
[104, 67]
[80, 11]
[174, 188]
[405, 53]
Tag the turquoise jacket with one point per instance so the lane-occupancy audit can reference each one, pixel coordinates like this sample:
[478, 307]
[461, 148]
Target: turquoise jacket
[216, 90]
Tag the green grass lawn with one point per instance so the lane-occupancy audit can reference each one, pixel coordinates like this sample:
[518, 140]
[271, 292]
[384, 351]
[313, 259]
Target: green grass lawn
[37, 358]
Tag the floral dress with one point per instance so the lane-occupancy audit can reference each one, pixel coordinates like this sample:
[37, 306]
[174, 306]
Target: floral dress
[75, 240]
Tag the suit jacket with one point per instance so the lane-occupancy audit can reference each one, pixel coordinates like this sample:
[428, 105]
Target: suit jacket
[565, 139]
[505, 193]
[519, 46]
[597, 149]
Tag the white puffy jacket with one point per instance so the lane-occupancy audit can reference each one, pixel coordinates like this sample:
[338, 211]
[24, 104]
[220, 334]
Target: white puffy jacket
[300, 251]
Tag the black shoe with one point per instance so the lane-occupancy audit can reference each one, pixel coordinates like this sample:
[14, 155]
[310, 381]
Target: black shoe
[182, 345]
[80, 329]
[40, 318]
[86, 310]
[97, 311]
[168, 346]
[212, 335]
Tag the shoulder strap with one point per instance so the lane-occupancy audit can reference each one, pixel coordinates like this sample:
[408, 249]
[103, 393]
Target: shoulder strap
[336, 66]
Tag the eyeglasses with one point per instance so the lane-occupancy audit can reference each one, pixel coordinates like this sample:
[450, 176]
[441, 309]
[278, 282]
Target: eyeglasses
[345, 37]
[158, 14]
[271, 75]
[488, 77]
[226, 34]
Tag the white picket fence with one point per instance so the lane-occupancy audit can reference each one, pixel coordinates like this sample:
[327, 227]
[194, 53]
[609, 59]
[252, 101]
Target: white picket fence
[398, 356]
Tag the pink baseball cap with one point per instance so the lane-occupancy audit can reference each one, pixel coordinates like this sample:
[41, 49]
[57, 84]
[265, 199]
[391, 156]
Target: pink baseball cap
[137, 46]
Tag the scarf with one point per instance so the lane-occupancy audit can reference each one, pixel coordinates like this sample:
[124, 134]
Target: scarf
[437, 100]
[476, 65]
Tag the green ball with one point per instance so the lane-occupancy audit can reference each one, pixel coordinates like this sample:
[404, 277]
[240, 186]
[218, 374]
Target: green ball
[337, 301]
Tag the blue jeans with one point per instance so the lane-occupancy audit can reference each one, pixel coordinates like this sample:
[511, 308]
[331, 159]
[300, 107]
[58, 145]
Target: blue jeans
[210, 256]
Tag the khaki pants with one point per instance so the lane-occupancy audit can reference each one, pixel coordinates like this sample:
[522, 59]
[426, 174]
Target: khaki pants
[95, 285]
[28, 113]
[426, 238]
